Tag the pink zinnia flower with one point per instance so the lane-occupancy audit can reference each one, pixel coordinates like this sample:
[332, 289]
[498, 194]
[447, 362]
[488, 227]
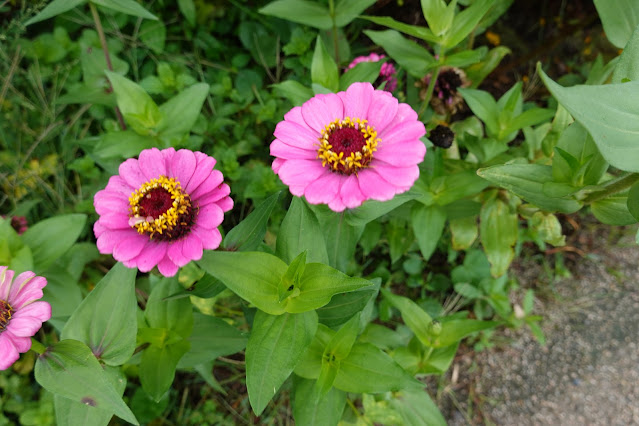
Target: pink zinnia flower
[386, 74]
[344, 148]
[21, 313]
[162, 209]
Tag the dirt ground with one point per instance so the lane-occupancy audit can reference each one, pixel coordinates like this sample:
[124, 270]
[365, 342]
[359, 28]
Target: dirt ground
[588, 371]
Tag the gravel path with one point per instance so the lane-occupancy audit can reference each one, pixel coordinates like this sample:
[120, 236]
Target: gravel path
[588, 372]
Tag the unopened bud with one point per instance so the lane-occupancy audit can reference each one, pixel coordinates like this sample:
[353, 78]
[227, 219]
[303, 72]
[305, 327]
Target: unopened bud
[435, 328]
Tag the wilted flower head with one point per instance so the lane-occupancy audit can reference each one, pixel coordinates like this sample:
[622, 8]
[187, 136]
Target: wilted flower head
[21, 313]
[344, 148]
[442, 136]
[446, 99]
[162, 209]
[387, 73]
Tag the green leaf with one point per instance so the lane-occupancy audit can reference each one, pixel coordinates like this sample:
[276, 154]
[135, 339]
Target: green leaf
[301, 11]
[439, 360]
[173, 314]
[157, 367]
[364, 71]
[466, 21]
[341, 237]
[51, 238]
[609, 113]
[527, 181]
[109, 333]
[464, 58]
[368, 369]
[478, 72]
[274, 347]
[342, 342]
[311, 409]
[579, 161]
[180, 112]
[417, 409]
[347, 10]
[211, 337]
[498, 232]
[371, 209]
[464, 232]
[468, 290]
[290, 281]
[619, 19]
[125, 144]
[428, 226]
[439, 16]
[414, 317]
[129, 7]
[55, 8]
[323, 68]
[528, 118]
[627, 68]
[483, 105]
[300, 231]
[455, 330]
[411, 30]
[318, 284]
[414, 58]
[633, 201]
[153, 34]
[453, 187]
[69, 369]
[613, 210]
[72, 413]
[249, 233]
[294, 91]
[343, 306]
[187, 7]
[136, 105]
[254, 276]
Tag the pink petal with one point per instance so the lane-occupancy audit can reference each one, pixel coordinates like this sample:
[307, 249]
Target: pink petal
[404, 113]
[382, 110]
[225, 204]
[277, 163]
[337, 205]
[210, 216]
[115, 220]
[129, 247]
[297, 135]
[8, 352]
[168, 154]
[131, 173]
[21, 343]
[108, 202]
[202, 171]
[215, 195]
[182, 166]
[210, 238]
[322, 110]
[374, 187]
[398, 176]
[117, 185]
[36, 311]
[167, 267]
[324, 189]
[350, 193]
[151, 255]
[281, 150]
[210, 183]
[22, 281]
[28, 291]
[297, 174]
[357, 100]
[25, 326]
[406, 131]
[175, 253]
[6, 277]
[402, 154]
[151, 162]
[192, 248]
[295, 116]
[109, 238]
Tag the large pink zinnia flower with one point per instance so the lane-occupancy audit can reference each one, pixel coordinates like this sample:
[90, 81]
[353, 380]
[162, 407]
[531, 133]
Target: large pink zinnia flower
[21, 313]
[387, 73]
[162, 209]
[342, 149]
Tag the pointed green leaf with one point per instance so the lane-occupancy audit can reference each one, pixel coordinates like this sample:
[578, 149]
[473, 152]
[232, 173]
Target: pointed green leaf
[300, 230]
[136, 105]
[323, 68]
[619, 19]
[627, 68]
[157, 367]
[249, 233]
[498, 232]
[301, 11]
[364, 71]
[110, 333]
[428, 226]
[343, 306]
[274, 347]
[483, 106]
[294, 91]
[455, 330]
[290, 281]
[439, 16]
[129, 7]
[327, 411]
[414, 317]
[172, 314]
[347, 10]
[180, 112]
[414, 58]
[69, 369]
[466, 21]
[254, 276]
[613, 210]
[411, 30]
[372, 209]
[55, 8]
[417, 409]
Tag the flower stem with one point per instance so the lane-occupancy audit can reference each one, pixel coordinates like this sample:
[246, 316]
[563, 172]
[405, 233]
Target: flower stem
[613, 186]
[331, 8]
[105, 48]
[429, 91]
[37, 347]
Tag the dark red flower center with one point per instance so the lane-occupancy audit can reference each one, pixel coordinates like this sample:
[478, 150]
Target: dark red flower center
[156, 202]
[5, 314]
[347, 140]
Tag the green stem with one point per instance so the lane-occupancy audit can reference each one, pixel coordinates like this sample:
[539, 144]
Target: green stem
[37, 347]
[107, 57]
[613, 186]
[331, 8]
[429, 91]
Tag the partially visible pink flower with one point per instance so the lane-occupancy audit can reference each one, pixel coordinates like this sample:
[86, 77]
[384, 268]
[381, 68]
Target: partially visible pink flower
[162, 209]
[18, 223]
[21, 313]
[387, 73]
[344, 148]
